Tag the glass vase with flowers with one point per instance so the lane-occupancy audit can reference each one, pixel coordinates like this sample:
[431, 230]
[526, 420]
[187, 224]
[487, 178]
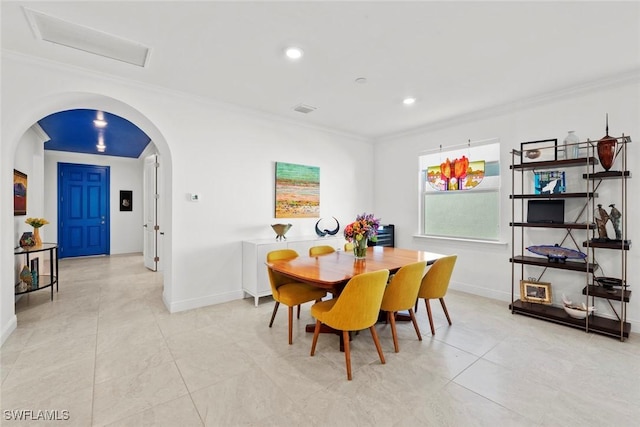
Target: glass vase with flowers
[360, 232]
[36, 223]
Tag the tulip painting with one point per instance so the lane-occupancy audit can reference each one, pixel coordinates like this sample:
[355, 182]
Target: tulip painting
[459, 174]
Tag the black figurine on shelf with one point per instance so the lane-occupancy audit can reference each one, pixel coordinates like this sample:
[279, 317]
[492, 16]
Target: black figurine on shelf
[615, 216]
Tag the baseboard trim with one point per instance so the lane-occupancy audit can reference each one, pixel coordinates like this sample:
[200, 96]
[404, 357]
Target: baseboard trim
[190, 304]
[483, 292]
[8, 329]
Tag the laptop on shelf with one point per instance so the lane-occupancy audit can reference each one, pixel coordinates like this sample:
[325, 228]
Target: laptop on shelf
[546, 211]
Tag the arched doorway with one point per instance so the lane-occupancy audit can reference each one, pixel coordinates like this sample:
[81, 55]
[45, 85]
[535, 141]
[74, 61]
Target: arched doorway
[21, 122]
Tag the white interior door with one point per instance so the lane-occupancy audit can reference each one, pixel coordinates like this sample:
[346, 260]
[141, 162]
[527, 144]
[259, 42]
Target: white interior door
[151, 227]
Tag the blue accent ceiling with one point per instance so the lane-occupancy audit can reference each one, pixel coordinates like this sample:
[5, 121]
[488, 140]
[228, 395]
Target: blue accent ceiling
[74, 131]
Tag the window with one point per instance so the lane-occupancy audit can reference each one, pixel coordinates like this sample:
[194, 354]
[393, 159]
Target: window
[461, 192]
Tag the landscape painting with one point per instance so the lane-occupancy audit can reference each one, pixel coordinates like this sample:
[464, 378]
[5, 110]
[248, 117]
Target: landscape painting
[297, 191]
[19, 193]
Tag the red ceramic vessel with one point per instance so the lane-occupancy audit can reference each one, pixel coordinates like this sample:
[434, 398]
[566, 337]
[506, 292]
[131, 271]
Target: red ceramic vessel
[607, 149]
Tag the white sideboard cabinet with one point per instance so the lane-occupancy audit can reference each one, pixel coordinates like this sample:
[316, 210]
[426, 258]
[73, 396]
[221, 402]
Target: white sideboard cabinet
[255, 280]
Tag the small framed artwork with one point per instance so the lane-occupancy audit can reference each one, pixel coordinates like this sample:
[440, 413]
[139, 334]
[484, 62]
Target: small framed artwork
[534, 291]
[549, 182]
[539, 151]
[126, 202]
[19, 193]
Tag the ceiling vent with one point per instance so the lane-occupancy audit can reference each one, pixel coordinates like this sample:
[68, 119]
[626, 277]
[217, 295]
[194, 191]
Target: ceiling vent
[303, 108]
[87, 39]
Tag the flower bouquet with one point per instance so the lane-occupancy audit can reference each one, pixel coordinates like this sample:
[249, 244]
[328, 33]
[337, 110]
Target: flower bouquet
[363, 229]
[36, 223]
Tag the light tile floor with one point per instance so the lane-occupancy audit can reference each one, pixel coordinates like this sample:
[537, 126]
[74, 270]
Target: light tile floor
[107, 351]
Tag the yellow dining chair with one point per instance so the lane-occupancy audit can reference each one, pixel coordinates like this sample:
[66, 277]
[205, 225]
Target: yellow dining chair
[401, 294]
[356, 308]
[321, 250]
[288, 291]
[435, 284]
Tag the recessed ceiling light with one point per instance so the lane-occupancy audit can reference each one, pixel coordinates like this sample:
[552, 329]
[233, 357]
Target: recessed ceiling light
[294, 53]
[100, 122]
[101, 147]
[361, 80]
[409, 101]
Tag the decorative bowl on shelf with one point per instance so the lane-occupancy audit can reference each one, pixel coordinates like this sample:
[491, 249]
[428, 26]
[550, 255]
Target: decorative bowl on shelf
[556, 253]
[608, 282]
[576, 311]
[281, 230]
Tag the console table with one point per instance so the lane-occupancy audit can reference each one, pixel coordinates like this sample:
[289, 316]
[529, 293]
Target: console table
[44, 280]
[255, 280]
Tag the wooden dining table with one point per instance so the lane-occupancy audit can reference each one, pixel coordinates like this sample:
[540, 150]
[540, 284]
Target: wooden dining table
[332, 271]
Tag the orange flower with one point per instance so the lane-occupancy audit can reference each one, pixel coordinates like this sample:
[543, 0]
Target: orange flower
[445, 169]
[460, 167]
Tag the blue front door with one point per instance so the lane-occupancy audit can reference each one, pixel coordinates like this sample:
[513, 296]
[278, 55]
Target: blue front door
[83, 210]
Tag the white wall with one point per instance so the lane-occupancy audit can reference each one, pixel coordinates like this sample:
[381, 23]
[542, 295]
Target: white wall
[224, 153]
[124, 174]
[484, 268]
[29, 159]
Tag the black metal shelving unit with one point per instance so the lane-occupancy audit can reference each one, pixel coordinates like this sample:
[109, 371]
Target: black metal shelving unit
[584, 225]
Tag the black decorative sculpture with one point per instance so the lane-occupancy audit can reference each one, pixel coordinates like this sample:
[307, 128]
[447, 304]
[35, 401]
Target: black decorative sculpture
[329, 232]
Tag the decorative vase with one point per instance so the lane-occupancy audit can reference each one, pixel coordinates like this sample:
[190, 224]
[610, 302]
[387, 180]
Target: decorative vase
[26, 241]
[607, 149]
[571, 146]
[281, 230]
[360, 248]
[36, 237]
[26, 277]
[34, 280]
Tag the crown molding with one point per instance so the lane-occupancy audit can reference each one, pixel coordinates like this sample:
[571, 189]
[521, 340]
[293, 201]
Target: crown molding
[212, 103]
[40, 133]
[613, 80]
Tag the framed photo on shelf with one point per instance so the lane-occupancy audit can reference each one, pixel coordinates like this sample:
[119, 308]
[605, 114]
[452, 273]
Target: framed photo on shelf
[534, 291]
[539, 151]
[549, 182]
